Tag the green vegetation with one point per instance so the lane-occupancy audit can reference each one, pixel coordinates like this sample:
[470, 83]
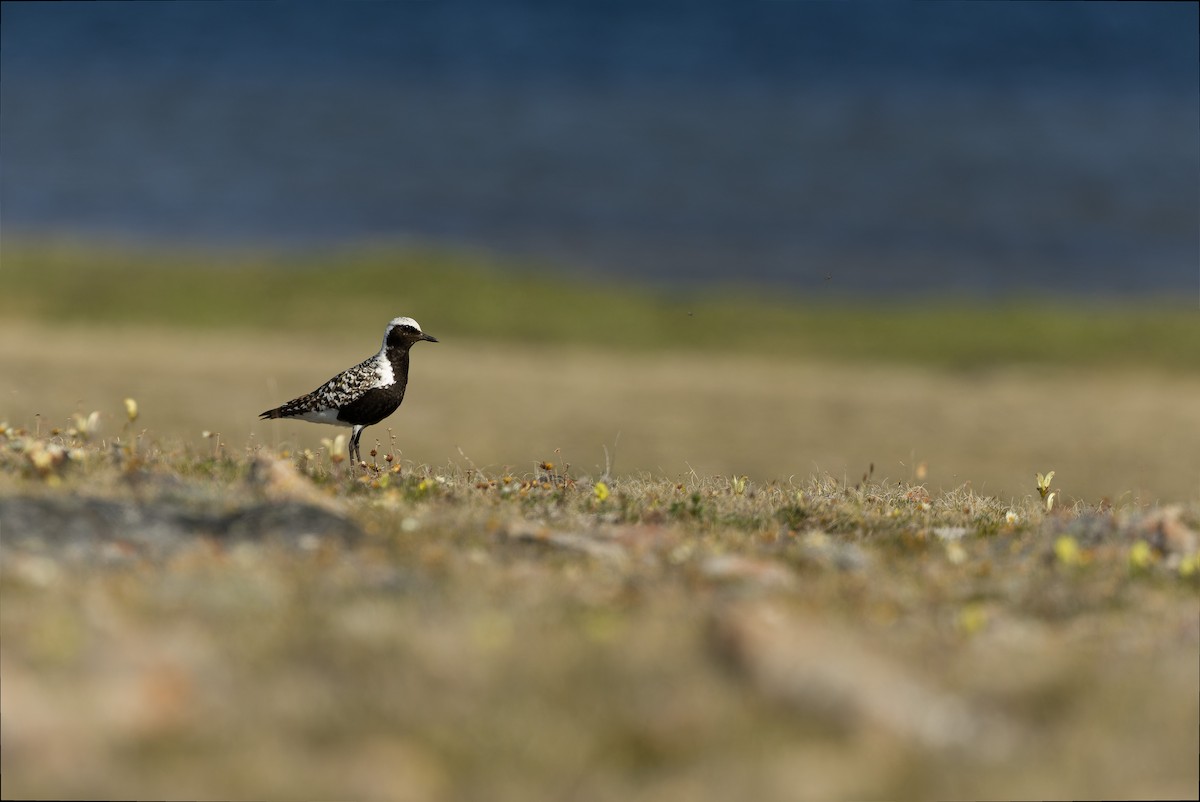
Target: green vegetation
[501, 636]
[471, 296]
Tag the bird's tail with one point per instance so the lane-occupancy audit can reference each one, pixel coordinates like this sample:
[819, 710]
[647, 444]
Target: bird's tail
[272, 413]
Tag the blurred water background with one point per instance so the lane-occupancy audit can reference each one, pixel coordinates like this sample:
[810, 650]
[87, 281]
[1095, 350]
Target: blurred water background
[870, 149]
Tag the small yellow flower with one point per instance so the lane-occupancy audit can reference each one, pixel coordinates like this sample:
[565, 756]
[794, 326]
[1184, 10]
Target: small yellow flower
[1068, 551]
[738, 483]
[131, 409]
[972, 618]
[1140, 555]
[600, 490]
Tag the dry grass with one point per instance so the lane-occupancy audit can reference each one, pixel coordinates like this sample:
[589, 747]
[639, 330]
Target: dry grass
[1114, 433]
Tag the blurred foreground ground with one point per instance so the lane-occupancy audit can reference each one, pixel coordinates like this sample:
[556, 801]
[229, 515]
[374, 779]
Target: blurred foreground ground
[178, 625]
[1117, 432]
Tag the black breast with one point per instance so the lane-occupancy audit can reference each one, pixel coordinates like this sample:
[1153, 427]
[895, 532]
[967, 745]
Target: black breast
[372, 406]
[376, 404]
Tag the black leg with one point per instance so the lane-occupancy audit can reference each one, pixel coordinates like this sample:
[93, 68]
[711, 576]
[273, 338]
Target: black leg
[355, 457]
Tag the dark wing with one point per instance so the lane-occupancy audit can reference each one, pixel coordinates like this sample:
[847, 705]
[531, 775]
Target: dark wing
[339, 391]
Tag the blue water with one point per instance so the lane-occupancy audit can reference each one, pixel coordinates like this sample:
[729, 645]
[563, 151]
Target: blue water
[863, 148]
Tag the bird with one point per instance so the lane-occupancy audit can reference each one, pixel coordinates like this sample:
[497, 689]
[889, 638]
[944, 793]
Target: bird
[366, 393]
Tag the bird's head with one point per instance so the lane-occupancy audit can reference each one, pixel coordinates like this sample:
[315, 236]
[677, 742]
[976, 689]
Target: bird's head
[402, 332]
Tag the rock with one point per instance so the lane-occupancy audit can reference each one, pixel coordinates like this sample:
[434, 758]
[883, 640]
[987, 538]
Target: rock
[595, 546]
[1162, 528]
[833, 553]
[288, 521]
[950, 533]
[156, 527]
[34, 523]
[1165, 531]
[766, 574]
[840, 678]
[278, 479]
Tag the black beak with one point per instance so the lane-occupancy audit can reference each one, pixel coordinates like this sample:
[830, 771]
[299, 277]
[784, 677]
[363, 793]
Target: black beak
[428, 338]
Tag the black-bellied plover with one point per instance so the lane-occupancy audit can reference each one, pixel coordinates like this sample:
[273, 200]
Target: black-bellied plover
[366, 393]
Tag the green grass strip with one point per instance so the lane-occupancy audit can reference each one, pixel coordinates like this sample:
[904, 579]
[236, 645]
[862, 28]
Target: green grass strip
[466, 294]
